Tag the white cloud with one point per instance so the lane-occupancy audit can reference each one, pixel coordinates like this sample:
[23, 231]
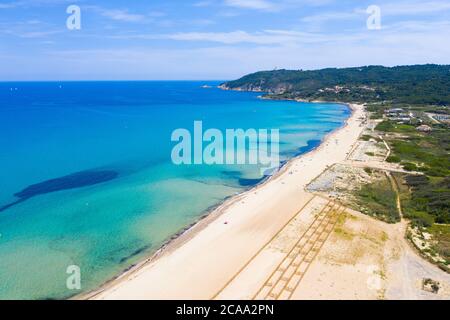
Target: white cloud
[414, 8]
[280, 37]
[201, 22]
[122, 15]
[224, 37]
[205, 3]
[29, 34]
[275, 5]
[266, 37]
[7, 5]
[250, 4]
[233, 37]
[384, 48]
[329, 16]
[33, 3]
[389, 9]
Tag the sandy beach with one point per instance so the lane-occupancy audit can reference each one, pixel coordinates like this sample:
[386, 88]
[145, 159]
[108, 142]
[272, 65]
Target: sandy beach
[205, 259]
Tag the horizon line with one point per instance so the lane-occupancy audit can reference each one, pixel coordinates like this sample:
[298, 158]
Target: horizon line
[118, 80]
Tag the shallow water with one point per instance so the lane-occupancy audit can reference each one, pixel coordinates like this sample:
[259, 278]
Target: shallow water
[52, 130]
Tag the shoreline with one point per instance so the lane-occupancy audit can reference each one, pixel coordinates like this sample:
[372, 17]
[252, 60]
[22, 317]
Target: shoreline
[211, 215]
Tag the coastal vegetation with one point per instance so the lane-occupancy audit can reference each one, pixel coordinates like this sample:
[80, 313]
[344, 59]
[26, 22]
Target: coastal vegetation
[425, 192]
[404, 101]
[427, 154]
[377, 199]
[442, 245]
[366, 137]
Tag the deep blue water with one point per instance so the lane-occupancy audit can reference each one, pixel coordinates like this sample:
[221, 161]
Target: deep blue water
[87, 169]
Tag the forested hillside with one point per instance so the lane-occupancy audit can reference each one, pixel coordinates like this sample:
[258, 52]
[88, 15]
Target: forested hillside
[418, 84]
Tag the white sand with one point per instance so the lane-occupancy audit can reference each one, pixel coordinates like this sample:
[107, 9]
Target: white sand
[200, 264]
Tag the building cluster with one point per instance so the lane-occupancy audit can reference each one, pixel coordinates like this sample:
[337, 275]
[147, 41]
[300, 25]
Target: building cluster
[399, 115]
[441, 117]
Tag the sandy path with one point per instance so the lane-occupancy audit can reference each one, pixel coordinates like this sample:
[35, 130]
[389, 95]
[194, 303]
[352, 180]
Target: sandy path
[406, 273]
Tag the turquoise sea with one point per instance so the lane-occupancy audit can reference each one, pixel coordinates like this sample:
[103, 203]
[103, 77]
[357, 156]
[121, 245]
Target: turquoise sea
[115, 196]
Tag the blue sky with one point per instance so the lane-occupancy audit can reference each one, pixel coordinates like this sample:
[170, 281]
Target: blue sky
[213, 39]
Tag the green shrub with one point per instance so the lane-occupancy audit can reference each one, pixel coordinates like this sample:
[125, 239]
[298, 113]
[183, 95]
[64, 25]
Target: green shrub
[434, 172]
[420, 218]
[379, 200]
[393, 159]
[431, 196]
[408, 166]
[405, 128]
[384, 126]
